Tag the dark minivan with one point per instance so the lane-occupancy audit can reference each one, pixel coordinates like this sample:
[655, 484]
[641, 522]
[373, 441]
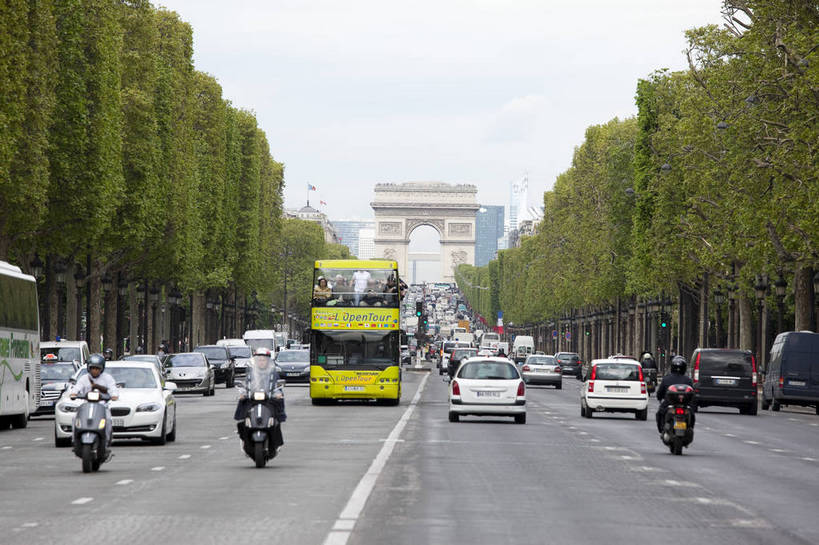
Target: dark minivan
[793, 372]
[725, 378]
[570, 364]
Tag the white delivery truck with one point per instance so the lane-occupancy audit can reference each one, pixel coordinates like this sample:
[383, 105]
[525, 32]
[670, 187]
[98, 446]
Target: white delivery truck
[522, 346]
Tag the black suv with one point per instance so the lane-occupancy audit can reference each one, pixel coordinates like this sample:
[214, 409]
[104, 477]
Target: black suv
[725, 378]
[224, 369]
[570, 363]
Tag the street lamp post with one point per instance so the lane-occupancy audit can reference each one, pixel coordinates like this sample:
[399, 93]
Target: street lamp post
[79, 280]
[732, 292]
[122, 291]
[719, 298]
[107, 283]
[142, 318]
[816, 299]
[59, 273]
[760, 287]
[780, 286]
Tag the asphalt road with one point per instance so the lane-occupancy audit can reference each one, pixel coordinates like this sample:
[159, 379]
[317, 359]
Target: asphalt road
[364, 474]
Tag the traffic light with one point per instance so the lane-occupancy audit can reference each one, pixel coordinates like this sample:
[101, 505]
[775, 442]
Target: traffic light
[419, 308]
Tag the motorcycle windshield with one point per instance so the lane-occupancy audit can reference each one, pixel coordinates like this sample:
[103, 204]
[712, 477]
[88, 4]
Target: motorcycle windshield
[260, 375]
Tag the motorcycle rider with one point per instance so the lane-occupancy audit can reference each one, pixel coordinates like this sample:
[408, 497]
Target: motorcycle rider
[109, 354]
[677, 376]
[97, 379]
[262, 360]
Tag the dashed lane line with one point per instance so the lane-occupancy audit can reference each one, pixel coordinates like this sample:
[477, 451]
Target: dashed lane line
[184, 456]
[82, 501]
[158, 468]
[124, 482]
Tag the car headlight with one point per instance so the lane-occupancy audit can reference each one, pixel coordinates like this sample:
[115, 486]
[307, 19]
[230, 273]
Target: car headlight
[148, 408]
[67, 407]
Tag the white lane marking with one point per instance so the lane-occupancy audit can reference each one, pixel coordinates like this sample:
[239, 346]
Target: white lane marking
[225, 438]
[82, 501]
[671, 482]
[749, 523]
[184, 456]
[158, 468]
[778, 450]
[728, 435]
[793, 419]
[814, 424]
[37, 439]
[30, 524]
[582, 433]
[594, 440]
[388, 439]
[205, 446]
[751, 442]
[808, 459]
[645, 468]
[630, 458]
[344, 525]
[365, 486]
[6, 448]
[125, 481]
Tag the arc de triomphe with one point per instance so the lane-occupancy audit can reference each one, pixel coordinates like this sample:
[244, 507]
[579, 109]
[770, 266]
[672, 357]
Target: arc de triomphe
[449, 208]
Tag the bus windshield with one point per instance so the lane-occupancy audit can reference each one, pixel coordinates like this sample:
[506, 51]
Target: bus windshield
[355, 349]
[355, 288]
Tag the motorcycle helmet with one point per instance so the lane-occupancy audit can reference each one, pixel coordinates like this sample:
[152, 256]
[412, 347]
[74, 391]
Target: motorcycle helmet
[96, 360]
[109, 354]
[140, 350]
[678, 365]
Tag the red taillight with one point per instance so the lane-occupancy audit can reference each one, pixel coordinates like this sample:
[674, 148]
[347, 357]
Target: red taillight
[591, 385]
[642, 386]
[781, 382]
[680, 410]
[594, 373]
[697, 368]
[456, 390]
[641, 373]
[527, 368]
[521, 389]
[753, 371]
[557, 369]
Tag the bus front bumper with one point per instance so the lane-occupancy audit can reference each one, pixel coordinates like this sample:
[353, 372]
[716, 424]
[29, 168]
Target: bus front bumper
[329, 390]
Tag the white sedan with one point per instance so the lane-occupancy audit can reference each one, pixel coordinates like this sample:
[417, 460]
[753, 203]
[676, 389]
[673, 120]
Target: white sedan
[487, 387]
[614, 385]
[146, 408]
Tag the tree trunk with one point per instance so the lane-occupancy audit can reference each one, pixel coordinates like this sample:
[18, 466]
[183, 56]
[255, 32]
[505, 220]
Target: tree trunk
[110, 312]
[804, 300]
[746, 323]
[198, 332]
[702, 318]
[95, 316]
[133, 311]
[52, 299]
[70, 307]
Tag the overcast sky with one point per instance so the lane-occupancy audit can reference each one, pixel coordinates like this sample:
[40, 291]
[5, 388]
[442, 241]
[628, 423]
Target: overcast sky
[471, 91]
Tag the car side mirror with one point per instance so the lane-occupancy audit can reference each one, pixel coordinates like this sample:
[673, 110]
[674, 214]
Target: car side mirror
[280, 383]
[170, 386]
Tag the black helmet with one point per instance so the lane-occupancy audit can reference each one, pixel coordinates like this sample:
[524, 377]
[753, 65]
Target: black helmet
[96, 360]
[109, 354]
[140, 350]
[678, 365]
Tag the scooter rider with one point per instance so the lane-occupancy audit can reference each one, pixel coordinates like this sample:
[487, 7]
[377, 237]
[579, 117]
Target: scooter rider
[97, 379]
[261, 360]
[677, 376]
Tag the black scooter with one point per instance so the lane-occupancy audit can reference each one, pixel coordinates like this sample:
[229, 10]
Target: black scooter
[678, 429]
[262, 435]
[89, 440]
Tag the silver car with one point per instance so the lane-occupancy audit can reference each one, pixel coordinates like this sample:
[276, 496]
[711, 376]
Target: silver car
[542, 370]
[191, 372]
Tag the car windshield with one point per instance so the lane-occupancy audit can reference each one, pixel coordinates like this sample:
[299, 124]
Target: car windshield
[488, 370]
[355, 349]
[260, 343]
[726, 363]
[212, 352]
[617, 371]
[460, 354]
[541, 360]
[56, 371]
[286, 356]
[568, 358]
[239, 351]
[141, 357]
[185, 360]
[63, 353]
[128, 377]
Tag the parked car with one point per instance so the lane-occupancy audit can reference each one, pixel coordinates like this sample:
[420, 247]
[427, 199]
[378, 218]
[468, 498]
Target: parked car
[542, 370]
[614, 385]
[223, 367]
[66, 351]
[570, 364]
[294, 365]
[146, 408]
[191, 372]
[487, 387]
[55, 376]
[241, 356]
[725, 378]
[793, 371]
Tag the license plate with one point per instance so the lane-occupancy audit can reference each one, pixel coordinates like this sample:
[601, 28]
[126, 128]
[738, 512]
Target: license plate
[292, 374]
[617, 389]
[118, 422]
[488, 394]
[354, 388]
[50, 402]
[725, 381]
[796, 382]
[680, 425]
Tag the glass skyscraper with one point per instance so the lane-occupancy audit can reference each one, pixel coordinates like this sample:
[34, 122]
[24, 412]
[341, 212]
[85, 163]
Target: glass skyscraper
[347, 232]
[488, 229]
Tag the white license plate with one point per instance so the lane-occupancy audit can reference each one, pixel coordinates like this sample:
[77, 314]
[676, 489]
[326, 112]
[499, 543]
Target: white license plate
[118, 422]
[292, 374]
[796, 382]
[488, 394]
[50, 402]
[725, 381]
[354, 388]
[617, 389]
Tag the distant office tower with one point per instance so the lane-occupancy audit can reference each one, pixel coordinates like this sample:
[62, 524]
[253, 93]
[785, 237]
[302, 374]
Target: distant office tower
[488, 230]
[348, 232]
[366, 244]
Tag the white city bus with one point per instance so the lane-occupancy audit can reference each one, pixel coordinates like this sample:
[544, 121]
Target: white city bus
[19, 347]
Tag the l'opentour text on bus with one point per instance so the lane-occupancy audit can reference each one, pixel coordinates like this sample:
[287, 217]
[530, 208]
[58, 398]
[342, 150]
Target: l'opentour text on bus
[355, 337]
[19, 347]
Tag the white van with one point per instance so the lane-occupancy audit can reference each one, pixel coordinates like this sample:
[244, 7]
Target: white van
[256, 338]
[522, 346]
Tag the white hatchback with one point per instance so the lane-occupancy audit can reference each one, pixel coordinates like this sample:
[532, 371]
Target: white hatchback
[487, 387]
[614, 385]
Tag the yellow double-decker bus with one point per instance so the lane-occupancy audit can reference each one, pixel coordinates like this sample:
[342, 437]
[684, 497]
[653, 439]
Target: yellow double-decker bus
[355, 335]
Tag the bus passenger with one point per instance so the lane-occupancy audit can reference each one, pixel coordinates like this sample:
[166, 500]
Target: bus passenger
[322, 292]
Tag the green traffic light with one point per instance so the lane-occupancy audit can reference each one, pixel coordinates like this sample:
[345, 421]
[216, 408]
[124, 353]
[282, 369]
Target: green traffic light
[663, 324]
